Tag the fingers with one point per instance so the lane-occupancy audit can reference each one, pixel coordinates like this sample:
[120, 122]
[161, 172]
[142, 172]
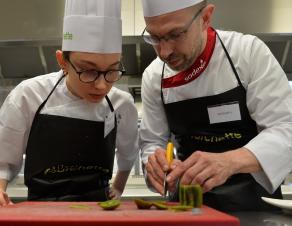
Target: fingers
[114, 194]
[157, 185]
[205, 178]
[160, 158]
[176, 170]
[4, 199]
[193, 159]
[206, 169]
[111, 194]
[156, 168]
[172, 186]
[193, 168]
[209, 184]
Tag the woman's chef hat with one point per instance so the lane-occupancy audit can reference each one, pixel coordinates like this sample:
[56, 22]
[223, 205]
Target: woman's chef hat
[93, 26]
[158, 7]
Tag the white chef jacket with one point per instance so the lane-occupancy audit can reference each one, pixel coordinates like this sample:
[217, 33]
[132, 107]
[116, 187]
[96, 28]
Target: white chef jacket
[269, 101]
[18, 111]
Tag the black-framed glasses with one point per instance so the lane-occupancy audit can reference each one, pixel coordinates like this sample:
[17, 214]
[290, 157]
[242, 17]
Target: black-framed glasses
[88, 76]
[175, 37]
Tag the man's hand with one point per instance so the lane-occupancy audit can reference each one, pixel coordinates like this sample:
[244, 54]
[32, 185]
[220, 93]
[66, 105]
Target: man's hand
[213, 169]
[156, 167]
[206, 169]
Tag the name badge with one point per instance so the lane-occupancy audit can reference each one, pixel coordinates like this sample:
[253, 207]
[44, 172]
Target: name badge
[224, 113]
[109, 123]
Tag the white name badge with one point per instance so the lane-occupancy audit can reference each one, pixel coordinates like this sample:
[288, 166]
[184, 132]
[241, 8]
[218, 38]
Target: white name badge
[224, 113]
[109, 123]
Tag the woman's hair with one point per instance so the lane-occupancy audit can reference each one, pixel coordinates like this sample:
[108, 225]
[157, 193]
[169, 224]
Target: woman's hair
[66, 55]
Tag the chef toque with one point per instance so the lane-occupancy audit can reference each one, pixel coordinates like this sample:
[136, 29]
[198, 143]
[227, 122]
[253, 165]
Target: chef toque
[93, 26]
[158, 7]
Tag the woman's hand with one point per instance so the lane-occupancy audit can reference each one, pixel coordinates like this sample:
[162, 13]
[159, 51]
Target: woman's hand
[114, 193]
[4, 199]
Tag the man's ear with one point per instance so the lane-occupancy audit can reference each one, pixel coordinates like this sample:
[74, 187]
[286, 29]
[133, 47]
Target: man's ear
[207, 16]
[61, 61]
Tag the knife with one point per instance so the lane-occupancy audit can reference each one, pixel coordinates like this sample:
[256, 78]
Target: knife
[169, 158]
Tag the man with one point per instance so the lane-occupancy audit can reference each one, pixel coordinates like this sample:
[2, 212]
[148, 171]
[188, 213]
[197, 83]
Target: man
[224, 99]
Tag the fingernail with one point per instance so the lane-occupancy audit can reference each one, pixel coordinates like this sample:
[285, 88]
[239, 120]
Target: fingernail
[168, 178]
[165, 167]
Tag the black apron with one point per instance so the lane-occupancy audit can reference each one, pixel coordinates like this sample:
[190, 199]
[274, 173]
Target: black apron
[68, 159]
[191, 128]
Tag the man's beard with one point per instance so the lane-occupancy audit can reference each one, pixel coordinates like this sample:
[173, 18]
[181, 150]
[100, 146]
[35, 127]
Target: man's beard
[187, 62]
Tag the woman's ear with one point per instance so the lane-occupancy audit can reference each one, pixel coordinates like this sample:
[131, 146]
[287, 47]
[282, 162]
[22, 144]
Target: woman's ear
[61, 61]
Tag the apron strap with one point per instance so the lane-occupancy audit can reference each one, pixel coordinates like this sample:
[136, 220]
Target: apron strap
[60, 79]
[230, 61]
[162, 76]
[45, 101]
[109, 103]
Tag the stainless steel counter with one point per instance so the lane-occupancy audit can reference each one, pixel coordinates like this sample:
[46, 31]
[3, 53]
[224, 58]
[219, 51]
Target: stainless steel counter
[263, 218]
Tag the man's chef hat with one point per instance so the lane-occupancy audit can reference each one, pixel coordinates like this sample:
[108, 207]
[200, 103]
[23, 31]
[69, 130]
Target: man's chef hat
[158, 7]
[93, 26]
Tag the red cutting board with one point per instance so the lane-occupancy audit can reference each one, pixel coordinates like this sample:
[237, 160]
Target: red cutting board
[127, 214]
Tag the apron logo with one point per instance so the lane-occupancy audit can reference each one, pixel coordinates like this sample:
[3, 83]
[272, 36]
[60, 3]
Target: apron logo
[196, 71]
[73, 168]
[216, 139]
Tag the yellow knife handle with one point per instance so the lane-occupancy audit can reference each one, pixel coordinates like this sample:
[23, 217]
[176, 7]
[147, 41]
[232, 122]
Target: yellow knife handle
[169, 152]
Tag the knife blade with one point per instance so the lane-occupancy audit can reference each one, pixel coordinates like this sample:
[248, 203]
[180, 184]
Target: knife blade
[169, 158]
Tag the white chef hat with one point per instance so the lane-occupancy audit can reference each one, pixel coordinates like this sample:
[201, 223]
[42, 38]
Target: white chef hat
[158, 7]
[92, 26]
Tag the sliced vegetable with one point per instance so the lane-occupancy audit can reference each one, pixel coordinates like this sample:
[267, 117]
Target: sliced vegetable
[79, 206]
[110, 204]
[143, 204]
[179, 208]
[160, 205]
[191, 195]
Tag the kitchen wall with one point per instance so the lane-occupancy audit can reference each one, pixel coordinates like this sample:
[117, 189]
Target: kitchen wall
[253, 16]
[31, 19]
[39, 19]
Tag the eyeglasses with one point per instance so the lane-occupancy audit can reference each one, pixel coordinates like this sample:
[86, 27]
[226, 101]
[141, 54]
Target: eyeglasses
[175, 37]
[88, 76]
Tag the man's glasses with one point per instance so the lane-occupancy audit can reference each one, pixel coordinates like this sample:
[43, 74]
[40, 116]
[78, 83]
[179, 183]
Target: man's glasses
[174, 37]
[88, 76]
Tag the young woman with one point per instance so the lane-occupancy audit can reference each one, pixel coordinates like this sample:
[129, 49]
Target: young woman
[71, 123]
